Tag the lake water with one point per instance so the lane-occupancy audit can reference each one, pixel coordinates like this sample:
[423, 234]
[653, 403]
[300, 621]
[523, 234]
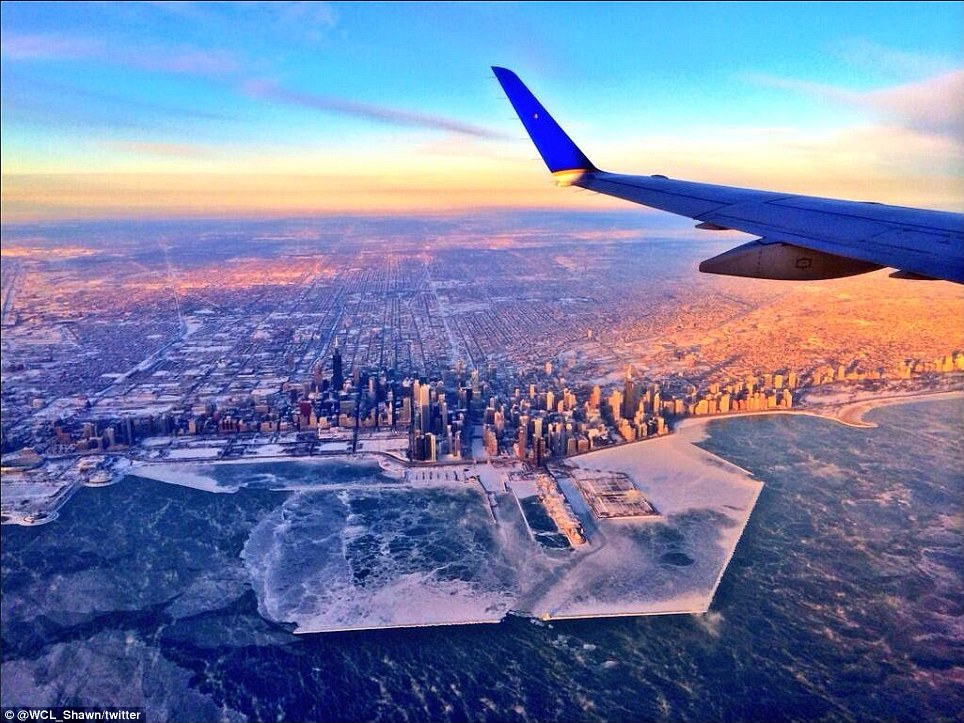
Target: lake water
[844, 601]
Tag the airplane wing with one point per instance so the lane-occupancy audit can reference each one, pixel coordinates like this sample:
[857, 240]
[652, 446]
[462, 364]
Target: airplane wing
[799, 237]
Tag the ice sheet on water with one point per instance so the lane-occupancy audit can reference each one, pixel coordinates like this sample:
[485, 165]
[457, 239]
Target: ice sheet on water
[302, 474]
[274, 475]
[372, 558]
[666, 565]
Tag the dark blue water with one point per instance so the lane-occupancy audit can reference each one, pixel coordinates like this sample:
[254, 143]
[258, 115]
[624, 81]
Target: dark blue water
[844, 601]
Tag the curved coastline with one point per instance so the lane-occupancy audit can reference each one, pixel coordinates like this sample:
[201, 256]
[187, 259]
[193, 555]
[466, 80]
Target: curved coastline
[850, 414]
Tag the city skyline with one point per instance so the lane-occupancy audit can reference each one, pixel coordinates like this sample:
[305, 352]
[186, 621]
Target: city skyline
[345, 108]
[226, 321]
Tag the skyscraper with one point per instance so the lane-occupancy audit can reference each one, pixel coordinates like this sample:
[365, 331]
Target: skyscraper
[337, 375]
[629, 396]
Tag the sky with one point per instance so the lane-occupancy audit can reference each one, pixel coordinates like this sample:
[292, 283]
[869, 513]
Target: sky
[257, 109]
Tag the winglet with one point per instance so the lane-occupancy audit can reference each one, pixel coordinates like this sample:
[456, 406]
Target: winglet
[561, 155]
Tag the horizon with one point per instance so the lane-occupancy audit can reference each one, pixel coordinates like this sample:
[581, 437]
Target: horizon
[328, 109]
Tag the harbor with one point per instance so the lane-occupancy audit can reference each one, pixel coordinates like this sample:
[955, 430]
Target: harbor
[358, 543]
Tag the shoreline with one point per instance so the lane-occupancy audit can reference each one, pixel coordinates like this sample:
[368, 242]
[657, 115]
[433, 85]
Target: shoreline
[683, 441]
[691, 429]
[852, 413]
[849, 413]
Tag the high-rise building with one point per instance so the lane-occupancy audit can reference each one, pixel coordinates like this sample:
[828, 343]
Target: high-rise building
[337, 373]
[616, 404]
[424, 405]
[539, 450]
[490, 441]
[595, 398]
[522, 436]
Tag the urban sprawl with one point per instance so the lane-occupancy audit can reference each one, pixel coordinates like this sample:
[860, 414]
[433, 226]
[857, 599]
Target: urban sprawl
[436, 353]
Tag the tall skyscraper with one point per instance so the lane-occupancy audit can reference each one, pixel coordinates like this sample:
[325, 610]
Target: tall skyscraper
[629, 396]
[337, 374]
[424, 401]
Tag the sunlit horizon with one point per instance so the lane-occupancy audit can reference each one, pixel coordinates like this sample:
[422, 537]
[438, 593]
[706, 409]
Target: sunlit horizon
[317, 109]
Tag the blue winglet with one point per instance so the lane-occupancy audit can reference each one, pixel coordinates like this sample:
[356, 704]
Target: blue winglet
[555, 147]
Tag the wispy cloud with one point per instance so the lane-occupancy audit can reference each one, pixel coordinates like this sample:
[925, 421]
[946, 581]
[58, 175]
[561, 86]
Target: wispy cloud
[888, 163]
[187, 61]
[316, 16]
[48, 46]
[151, 148]
[179, 59]
[37, 100]
[266, 90]
[933, 105]
[899, 64]
[309, 21]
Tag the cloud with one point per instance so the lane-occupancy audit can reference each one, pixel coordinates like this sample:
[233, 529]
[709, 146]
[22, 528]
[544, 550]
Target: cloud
[297, 21]
[319, 15]
[151, 148]
[266, 90]
[870, 56]
[933, 105]
[52, 104]
[884, 163]
[186, 61]
[48, 46]
[180, 60]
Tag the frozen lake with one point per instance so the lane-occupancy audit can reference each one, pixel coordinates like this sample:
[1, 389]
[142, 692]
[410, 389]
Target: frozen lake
[354, 547]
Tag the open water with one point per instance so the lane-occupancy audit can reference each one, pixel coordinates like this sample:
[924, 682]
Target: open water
[844, 601]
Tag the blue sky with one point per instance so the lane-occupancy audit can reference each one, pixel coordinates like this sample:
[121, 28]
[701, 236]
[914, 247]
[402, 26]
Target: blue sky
[275, 108]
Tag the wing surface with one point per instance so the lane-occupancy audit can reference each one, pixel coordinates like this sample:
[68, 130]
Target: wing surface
[800, 237]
